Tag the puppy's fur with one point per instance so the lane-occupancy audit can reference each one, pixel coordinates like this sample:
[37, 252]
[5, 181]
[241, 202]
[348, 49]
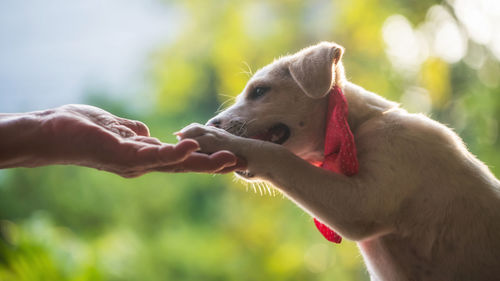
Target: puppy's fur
[421, 207]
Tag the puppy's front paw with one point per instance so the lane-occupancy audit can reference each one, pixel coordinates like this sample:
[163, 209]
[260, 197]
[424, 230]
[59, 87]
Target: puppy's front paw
[212, 139]
[257, 153]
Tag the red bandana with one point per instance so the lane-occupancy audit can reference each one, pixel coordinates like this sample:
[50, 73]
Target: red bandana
[340, 149]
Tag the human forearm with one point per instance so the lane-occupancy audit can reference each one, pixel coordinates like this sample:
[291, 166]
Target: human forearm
[21, 137]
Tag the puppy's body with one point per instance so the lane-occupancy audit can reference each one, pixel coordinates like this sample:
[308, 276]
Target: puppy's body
[421, 207]
[445, 202]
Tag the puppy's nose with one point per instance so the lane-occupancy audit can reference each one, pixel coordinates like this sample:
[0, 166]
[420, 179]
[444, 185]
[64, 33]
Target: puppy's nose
[216, 122]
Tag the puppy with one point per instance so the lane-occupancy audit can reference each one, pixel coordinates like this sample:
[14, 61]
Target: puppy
[421, 206]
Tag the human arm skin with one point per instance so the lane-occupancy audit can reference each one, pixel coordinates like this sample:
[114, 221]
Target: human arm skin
[89, 136]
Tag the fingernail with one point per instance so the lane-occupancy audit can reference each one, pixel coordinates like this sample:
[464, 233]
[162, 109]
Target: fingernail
[177, 133]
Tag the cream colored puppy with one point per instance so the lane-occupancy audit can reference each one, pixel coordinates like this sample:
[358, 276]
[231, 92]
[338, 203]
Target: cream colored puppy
[421, 207]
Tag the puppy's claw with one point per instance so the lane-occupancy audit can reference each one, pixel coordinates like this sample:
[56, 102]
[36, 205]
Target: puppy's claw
[178, 135]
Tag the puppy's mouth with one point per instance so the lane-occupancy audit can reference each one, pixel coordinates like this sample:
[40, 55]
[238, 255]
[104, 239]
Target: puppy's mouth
[278, 133]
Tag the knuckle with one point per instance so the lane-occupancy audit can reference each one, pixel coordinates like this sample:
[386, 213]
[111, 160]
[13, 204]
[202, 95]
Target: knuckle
[192, 128]
[214, 138]
[141, 126]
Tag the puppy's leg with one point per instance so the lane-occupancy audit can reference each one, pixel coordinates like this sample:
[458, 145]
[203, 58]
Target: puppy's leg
[350, 205]
[356, 207]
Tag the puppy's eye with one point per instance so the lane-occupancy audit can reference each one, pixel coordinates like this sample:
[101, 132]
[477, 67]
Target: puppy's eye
[257, 92]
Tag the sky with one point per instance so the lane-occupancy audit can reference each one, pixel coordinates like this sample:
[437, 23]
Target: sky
[53, 52]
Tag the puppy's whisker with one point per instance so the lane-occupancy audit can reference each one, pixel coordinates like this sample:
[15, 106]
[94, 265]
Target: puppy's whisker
[244, 128]
[249, 71]
[241, 130]
[259, 187]
[268, 188]
[227, 96]
[230, 128]
[261, 184]
[246, 73]
[253, 186]
[222, 106]
[248, 122]
[272, 190]
[238, 180]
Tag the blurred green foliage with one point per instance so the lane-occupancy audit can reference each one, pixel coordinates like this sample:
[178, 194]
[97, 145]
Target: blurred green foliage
[71, 223]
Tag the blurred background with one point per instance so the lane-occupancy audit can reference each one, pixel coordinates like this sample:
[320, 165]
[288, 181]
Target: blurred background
[169, 63]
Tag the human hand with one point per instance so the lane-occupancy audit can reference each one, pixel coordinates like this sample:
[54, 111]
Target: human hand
[88, 136]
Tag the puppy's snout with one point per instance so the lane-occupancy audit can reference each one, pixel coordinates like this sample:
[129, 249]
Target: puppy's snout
[216, 122]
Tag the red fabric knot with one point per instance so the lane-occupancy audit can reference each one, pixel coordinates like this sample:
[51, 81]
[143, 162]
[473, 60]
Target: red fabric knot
[340, 149]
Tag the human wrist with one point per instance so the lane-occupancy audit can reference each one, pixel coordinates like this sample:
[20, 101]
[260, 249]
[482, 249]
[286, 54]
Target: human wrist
[22, 139]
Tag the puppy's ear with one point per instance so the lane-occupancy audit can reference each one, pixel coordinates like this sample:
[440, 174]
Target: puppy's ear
[318, 68]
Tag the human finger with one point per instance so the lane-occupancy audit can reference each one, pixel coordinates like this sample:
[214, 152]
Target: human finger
[240, 165]
[137, 126]
[179, 152]
[135, 155]
[166, 154]
[149, 140]
[198, 162]
[122, 130]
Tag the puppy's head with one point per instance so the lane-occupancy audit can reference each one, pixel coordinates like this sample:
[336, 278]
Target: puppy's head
[285, 102]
